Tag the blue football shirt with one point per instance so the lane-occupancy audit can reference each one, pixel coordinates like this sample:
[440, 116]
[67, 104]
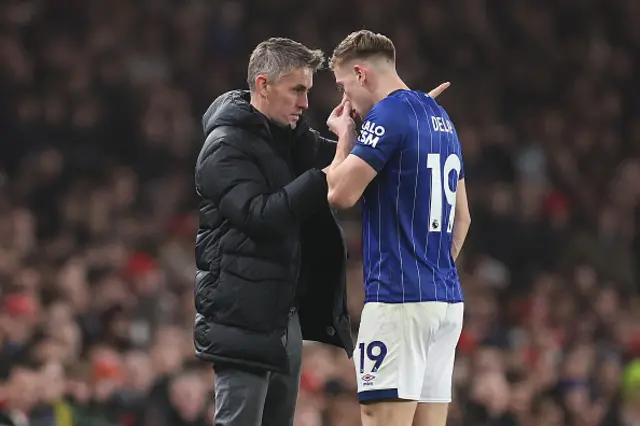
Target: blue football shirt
[409, 207]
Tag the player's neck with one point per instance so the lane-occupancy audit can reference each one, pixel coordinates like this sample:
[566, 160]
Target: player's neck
[389, 85]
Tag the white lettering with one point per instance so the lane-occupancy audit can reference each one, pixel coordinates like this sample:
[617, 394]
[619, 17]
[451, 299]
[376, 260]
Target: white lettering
[369, 139]
[371, 133]
[440, 124]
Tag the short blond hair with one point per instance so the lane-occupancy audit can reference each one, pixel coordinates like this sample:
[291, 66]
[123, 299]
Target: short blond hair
[363, 44]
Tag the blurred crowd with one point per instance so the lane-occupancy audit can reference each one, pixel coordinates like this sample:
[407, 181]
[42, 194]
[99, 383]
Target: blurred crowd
[100, 108]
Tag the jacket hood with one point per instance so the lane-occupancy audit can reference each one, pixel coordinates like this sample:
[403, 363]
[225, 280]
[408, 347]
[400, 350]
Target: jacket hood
[233, 108]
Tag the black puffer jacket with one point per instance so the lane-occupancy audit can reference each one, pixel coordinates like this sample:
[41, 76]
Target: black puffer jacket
[267, 241]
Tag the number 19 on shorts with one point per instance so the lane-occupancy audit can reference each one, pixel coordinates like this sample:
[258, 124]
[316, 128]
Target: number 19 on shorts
[372, 355]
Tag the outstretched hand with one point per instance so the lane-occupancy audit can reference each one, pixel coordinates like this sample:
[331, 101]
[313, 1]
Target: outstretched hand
[434, 93]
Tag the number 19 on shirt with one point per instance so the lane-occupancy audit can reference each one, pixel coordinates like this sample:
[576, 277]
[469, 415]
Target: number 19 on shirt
[440, 185]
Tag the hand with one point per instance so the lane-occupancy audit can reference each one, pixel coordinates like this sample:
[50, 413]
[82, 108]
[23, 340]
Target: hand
[340, 122]
[434, 93]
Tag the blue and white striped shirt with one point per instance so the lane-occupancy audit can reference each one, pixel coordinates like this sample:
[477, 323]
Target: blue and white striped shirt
[409, 208]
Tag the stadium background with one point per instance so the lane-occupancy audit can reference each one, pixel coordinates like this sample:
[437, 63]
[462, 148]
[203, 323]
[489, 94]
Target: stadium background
[100, 106]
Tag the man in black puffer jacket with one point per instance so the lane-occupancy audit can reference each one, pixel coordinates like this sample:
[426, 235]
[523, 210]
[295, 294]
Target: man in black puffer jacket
[270, 255]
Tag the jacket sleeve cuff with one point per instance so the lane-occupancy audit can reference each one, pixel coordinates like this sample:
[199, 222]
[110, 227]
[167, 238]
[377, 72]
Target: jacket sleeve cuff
[307, 194]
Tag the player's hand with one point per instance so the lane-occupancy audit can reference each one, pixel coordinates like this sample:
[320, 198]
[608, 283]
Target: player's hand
[340, 122]
[434, 93]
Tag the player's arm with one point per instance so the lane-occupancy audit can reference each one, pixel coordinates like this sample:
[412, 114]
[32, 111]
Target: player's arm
[381, 135]
[347, 180]
[462, 220]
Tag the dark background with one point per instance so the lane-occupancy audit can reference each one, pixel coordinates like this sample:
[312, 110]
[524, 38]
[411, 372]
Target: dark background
[100, 107]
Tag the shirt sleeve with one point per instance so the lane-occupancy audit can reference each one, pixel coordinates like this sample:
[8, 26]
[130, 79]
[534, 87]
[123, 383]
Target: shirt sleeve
[383, 132]
[236, 185]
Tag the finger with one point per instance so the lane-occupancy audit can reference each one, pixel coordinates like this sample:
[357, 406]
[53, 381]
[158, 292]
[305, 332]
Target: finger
[438, 90]
[340, 106]
[348, 110]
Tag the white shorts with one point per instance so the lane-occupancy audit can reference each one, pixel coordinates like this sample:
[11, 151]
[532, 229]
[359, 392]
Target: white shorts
[407, 351]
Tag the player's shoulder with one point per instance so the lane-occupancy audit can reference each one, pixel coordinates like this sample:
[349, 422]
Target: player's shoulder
[391, 107]
[407, 100]
[399, 96]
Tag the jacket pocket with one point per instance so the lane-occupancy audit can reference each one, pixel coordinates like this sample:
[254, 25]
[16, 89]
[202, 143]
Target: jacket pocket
[253, 293]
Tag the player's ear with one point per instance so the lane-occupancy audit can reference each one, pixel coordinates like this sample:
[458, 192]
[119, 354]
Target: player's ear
[360, 74]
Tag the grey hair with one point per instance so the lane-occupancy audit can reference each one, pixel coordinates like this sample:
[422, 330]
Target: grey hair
[277, 57]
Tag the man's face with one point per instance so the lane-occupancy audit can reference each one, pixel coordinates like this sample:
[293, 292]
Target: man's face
[287, 97]
[351, 85]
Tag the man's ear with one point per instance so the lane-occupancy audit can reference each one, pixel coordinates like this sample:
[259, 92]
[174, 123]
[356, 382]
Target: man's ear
[262, 85]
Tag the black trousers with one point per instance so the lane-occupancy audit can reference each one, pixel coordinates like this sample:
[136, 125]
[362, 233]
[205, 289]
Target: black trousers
[244, 398]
